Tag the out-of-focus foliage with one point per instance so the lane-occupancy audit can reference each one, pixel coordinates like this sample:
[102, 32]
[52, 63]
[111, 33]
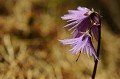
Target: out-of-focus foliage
[29, 47]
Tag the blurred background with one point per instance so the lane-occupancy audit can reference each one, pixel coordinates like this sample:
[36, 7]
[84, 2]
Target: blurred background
[29, 47]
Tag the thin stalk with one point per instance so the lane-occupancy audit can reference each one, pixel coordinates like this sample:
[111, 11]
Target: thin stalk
[98, 51]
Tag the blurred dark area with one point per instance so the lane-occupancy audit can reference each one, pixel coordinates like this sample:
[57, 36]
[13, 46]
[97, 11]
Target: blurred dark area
[29, 46]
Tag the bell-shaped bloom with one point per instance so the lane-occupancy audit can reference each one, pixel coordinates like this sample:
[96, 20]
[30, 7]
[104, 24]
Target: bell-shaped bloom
[81, 44]
[81, 20]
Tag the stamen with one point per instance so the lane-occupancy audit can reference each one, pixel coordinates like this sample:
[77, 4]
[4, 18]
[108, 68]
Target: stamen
[97, 24]
[78, 57]
[93, 10]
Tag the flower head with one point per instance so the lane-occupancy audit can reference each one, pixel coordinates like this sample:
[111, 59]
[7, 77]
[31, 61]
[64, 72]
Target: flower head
[81, 44]
[82, 20]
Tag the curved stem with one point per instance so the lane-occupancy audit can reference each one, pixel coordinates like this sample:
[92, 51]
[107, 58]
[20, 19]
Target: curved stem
[98, 51]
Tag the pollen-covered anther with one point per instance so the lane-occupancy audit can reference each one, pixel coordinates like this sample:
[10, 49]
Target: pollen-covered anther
[96, 24]
[90, 12]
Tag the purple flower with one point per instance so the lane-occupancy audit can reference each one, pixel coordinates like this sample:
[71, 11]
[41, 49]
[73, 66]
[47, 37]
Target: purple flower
[82, 20]
[84, 23]
[81, 44]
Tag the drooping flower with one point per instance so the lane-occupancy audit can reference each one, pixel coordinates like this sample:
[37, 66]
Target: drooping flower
[81, 44]
[82, 20]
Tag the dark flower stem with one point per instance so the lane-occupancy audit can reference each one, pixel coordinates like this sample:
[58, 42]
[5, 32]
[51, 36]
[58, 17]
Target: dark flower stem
[98, 51]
